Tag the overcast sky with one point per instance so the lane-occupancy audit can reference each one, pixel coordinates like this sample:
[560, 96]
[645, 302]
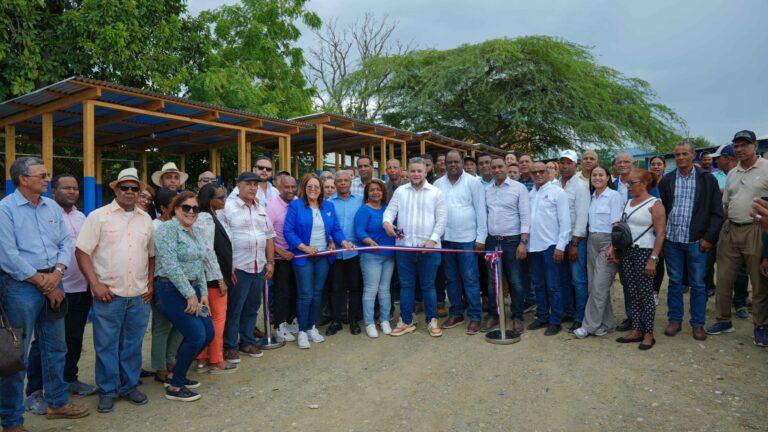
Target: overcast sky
[706, 59]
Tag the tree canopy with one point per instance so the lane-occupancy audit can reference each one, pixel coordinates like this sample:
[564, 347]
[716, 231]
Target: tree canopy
[530, 93]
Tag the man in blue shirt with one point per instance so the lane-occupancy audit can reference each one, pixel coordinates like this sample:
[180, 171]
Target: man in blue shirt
[37, 248]
[346, 291]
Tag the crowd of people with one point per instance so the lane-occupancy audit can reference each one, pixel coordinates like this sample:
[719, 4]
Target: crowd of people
[193, 263]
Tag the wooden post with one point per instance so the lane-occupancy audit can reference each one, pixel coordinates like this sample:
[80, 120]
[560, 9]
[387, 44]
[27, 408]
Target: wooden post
[296, 167]
[10, 156]
[391, 150]
[99, 177]
[89, 155]
[281, 153]
[213, 155]
[403, 155]
[183, 162]
[383, 158]
[47, 147]
[242, 157]
[344, 158]
[362, 151]
[287, 145]
[422, 147]
[319, 148]
[144, 167]
[338, 160]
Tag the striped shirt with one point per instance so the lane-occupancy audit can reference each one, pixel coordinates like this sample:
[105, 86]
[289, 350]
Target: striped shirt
[251, 228]
[422, 214]
[679, 223]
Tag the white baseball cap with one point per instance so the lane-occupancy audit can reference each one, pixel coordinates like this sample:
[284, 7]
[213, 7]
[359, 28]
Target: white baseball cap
[569, 154]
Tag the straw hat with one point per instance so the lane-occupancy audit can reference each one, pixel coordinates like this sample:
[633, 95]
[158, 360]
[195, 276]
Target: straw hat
[128, 174]
[168, 168]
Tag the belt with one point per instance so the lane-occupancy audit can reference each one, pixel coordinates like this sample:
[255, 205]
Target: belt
[505, 238]
[740, 223]
[165, 279]
[48, 270]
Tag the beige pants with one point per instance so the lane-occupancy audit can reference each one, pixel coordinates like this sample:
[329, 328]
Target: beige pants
[737, 247]
[600, 275]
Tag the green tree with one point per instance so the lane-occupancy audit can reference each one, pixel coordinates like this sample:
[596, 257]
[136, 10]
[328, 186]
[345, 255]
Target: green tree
[531, 93]
[255, 63]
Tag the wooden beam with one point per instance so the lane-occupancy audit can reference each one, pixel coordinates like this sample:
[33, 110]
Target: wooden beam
[242, 148]
[383, 158]
[319, 147]
[154, 105]
[183, 162]
[317, 120]
[364, 132]
[56, 105]
[144, 167]
[422, 147]
[287, 146]
[10, 156]
[47, 144]
[89, 156]
[403, 155]
[343, 157]
[337, 157]
[189, 137]
[391, 151]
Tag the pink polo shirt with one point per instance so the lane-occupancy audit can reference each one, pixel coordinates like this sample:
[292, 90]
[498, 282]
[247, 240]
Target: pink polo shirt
[276, 211]
[73, 279]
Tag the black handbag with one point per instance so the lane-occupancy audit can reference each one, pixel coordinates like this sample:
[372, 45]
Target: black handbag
[11, 346]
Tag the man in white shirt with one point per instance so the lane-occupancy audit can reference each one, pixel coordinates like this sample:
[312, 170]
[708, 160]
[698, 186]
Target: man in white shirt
[253, 259]
[465, 229]
[421, 214]
[509, 217]
[575, 268]
[265, 192]
[550, 232]
[623, 166]
[364, 175]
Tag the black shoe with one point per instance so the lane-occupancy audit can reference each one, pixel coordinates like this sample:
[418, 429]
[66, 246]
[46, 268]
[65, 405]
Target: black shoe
[625, 325]
[645, 347]
[325, 320]
[188, 383]
[536, 324]
[333, 329]
[625, 340]
[146, 373]
[552, 329]
[567, 318]
[183, 394]
[106, 404]
[135, 397]
[354, 328]
[574, 326]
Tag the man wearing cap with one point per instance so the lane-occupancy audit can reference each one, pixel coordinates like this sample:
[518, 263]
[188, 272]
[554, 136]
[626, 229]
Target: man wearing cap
[170, 177]
[253, 259]
[116, 253]
[726, 161]
[35, 253]
[265, 192]
[740, 240]
[574, 271]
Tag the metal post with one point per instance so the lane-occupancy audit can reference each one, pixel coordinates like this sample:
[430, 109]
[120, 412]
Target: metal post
[268, 342]
[501, 336]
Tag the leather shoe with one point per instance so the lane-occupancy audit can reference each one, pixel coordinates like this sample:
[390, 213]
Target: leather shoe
[135, 397]
[354, 328]
[333, 329]
[452, 322]
[552, 329]
[489, 324]
[645, 347]
[442, 311]
[625, 325]
[473, 327]
[518, 325]
[672, 329]
[536, 324]
[699, 333]
[625, 340]
[67, 411]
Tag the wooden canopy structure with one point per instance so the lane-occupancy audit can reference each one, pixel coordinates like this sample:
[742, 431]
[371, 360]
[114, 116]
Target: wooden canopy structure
[430, 139]
[99, 116]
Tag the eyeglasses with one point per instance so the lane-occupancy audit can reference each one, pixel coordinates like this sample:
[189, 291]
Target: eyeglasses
[313, 187]
[186, 208]
[125, 188]
[263, 168]
[207, 179]
[634, 182]
[42, 176]
[537, 172]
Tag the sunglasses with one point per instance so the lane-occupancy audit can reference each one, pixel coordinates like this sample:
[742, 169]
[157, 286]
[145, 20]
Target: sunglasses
[263, 168]
[186, 208]
[125, 188]
[207, 179]
[42, 176]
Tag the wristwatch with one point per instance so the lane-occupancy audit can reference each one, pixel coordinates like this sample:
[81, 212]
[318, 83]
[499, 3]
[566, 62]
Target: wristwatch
[655, 258]
[60, 269]
[524, 241]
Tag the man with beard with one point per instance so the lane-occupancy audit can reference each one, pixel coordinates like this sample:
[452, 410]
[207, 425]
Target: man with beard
[266, 192]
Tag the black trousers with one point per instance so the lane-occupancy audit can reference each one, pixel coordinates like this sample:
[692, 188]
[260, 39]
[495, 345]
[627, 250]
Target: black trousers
[283, 293]
[74, 328]
[346, 290]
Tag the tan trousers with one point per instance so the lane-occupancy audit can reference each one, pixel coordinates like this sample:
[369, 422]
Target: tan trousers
[740, 246]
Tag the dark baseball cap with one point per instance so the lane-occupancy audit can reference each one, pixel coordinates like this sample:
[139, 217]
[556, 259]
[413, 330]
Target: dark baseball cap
[247, 176]
[724, 150]
[745, 135]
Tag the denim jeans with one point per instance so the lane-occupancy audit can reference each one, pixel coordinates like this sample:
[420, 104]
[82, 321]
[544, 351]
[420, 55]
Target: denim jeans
[574, 283]
[118, 332]
[463, 283]
[510, 267]
[677, 255]
[377, 273]
[310, 280]
[545, 275]
[25, 306]
[410, 267]
[196, 330]
[243, 302]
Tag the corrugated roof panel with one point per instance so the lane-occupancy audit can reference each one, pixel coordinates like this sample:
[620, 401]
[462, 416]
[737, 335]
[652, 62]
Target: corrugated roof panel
[172, 108]
[36, 99]
[68, 87]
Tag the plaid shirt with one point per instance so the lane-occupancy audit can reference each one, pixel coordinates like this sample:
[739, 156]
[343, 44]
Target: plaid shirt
[679, 221]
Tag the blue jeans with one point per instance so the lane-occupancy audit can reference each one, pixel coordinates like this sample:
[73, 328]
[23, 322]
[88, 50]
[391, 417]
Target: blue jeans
[677, 255]
[243, 302]
[574, 283]
[510, 267]
[545, 275]
[377, 273]
[461, 272]
[410, 267]
[118, 332]
[310, 280]
[25, 306]
[196, 330]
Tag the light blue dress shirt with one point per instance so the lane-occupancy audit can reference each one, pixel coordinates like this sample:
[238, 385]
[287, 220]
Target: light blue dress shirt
[345, 213]
[32, 238]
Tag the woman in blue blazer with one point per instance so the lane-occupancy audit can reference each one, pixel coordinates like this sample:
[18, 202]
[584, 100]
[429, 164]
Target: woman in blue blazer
[311, 227]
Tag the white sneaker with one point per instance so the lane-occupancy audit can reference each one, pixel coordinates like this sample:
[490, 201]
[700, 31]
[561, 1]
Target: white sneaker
[302, 340]
[581, 333]
[293, 327]
[314, 335]
[283, 334]
[601, 331]
[370, 329]
[385, 328]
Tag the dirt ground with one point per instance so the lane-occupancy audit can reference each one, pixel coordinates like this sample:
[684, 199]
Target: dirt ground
[461, 383]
